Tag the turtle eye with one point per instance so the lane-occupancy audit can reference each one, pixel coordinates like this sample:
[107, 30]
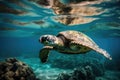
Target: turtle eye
[47, 38]
[44, 39]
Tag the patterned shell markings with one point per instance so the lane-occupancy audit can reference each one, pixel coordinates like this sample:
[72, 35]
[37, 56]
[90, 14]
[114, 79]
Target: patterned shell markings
[79, 38]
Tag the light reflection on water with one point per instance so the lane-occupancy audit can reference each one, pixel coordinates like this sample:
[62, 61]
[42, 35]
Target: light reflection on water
[30, 18]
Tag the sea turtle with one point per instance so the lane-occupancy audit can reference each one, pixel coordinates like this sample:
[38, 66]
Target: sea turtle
[69, 42]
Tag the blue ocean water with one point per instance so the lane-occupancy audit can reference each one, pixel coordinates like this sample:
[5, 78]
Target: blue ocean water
[19, 34]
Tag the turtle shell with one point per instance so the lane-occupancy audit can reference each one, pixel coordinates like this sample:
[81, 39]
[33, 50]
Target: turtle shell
[78, 37]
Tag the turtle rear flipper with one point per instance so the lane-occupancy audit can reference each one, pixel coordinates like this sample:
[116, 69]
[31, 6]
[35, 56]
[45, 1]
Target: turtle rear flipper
[43, 54]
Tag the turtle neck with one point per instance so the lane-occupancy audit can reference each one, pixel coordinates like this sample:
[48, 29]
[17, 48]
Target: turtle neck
[62, 41]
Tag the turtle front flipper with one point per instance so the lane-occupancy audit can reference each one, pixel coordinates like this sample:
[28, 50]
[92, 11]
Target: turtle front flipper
[43, 54]
[103, 52]
[86, 46]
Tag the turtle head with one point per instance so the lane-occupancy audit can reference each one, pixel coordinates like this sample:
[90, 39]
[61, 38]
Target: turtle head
[48, 40]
